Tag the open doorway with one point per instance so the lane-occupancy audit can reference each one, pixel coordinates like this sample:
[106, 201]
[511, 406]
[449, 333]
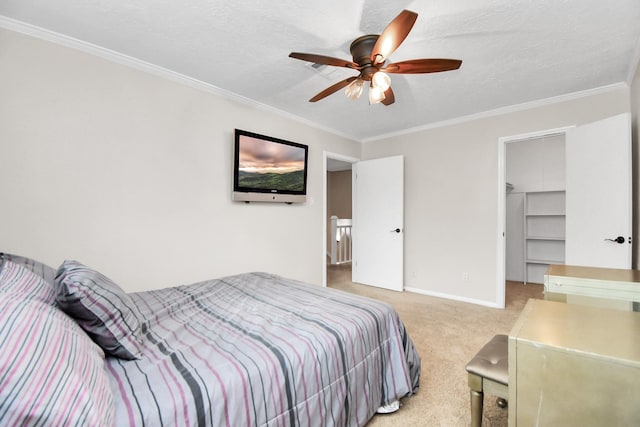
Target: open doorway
[532, 207]
[535, 210]
[594, 207]
[377, 195]
[338, 254]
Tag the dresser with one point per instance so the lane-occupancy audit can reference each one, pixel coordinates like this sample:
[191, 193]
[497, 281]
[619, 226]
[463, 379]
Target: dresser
[602, 287]
[574, 365]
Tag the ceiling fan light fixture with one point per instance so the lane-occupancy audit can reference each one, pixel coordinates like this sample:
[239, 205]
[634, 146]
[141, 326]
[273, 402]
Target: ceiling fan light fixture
[370, 54]
[376, 95]
[354, 89]
[379, 59]
[381, 80]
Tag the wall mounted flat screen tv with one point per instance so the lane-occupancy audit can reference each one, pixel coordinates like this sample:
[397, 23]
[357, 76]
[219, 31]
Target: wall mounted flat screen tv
[268, 169]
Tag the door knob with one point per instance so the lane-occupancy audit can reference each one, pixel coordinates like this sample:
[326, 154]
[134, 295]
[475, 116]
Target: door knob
[618, 239]
[397, 230]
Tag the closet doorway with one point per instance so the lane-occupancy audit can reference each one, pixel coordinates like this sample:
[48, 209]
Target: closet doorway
[597, 199]
[535, 207]
[525, 156]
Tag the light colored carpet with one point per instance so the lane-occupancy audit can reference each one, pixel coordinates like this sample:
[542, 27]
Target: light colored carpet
[447, 334]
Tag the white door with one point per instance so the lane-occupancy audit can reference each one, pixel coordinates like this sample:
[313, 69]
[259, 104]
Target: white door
[378, 223]
[599, 204]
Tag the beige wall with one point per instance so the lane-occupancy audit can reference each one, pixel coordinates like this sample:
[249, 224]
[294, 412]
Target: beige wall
[451, 193]
[131, 173]
[339, 194]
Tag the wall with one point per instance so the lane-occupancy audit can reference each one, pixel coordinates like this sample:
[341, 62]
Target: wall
[514, 237]
[339, 194]
[131, 173]
[635, 120]
[451, 192]
[536, 165]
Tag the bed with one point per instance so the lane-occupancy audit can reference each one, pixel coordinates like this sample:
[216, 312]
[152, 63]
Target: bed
[253, 349]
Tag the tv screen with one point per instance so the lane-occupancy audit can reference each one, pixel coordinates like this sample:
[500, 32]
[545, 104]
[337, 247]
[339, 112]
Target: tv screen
[268, 169]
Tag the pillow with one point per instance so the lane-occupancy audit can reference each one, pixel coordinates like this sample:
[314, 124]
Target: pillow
[51, 373]
[42, 270]
[101, 308]
[15, 279]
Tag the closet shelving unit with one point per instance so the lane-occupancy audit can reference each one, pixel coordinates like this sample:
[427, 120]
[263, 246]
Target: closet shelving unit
[544, 232]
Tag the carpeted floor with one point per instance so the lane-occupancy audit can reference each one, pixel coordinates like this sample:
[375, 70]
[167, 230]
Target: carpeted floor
[447, 335]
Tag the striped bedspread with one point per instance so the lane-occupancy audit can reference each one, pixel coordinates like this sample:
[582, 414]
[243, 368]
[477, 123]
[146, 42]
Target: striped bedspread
[260, 350]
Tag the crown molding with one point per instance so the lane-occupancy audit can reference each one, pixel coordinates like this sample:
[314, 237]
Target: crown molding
[119, 58]
[129, 61]
[504, 110]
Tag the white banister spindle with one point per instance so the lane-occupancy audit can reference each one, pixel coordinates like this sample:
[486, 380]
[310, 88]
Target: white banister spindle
[334, 227]
[340, 240]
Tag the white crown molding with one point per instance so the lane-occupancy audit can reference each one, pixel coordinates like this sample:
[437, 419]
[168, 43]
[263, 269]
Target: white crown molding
[122, 59]
[113, 56]
[504, 110]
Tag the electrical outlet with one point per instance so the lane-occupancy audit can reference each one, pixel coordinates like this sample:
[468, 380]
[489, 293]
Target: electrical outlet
[465, 276]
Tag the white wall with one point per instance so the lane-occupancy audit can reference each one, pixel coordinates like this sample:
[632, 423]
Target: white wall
[514, 237]
[635, 119]
[451, 192]
[131, 173]
[536, 165]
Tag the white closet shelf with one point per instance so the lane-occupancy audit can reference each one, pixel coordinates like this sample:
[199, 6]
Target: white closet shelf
[544, 261]
[544, 230]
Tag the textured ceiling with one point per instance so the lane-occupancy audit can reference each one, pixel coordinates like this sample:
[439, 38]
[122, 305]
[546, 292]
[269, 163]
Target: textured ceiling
[513, 51]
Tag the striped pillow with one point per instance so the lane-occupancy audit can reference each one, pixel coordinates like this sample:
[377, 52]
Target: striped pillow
[15, 279]
[42, 270]
[101, 308]
[51, 373]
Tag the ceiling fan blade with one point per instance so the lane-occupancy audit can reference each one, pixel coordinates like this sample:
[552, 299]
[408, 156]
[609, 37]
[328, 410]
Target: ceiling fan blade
[332, 89]
[389, 97]
[393, 36]
[324, 60]
[419, 66]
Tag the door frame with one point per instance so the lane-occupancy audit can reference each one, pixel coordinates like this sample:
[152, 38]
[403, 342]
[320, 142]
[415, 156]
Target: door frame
[502, 200]
[328, 155]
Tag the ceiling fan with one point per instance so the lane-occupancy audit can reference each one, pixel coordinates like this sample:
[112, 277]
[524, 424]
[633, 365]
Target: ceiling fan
[370, 54]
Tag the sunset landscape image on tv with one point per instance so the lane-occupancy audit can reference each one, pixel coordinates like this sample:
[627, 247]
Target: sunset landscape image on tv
[270, 166]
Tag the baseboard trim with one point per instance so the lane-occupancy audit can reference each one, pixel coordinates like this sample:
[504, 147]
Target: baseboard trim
[491, 304]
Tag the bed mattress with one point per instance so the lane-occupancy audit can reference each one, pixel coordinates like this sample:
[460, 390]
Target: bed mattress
[261, 350]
